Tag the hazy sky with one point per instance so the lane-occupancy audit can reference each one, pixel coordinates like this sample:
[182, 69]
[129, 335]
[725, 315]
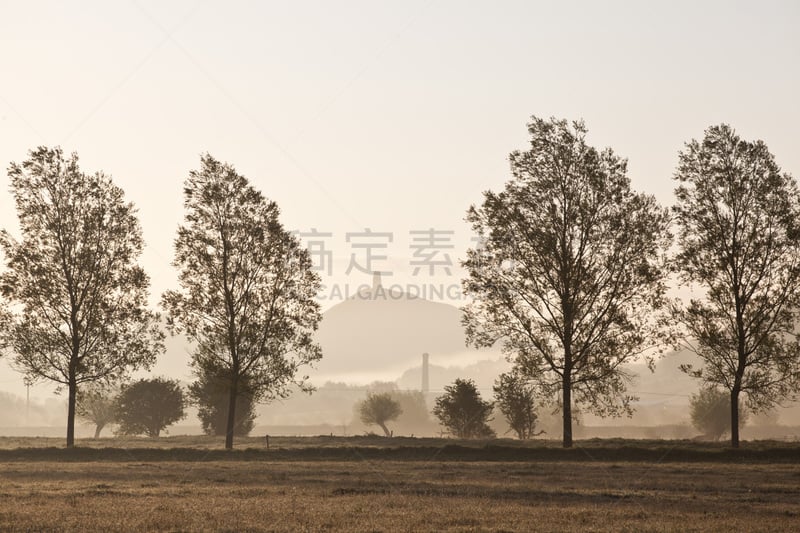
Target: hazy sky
[392, 116]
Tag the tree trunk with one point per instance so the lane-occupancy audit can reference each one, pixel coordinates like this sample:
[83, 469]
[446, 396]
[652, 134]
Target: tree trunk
[385, 429]
[566, 377]
[98, 428]
[741, 334]
[735, 416]
[567, 408]
[231, 414]
[73, 392]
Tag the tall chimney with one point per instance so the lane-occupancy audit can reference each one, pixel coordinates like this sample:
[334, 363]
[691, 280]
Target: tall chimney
[425, 383]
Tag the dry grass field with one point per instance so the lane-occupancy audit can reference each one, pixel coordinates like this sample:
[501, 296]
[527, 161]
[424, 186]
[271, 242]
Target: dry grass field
[362, 484]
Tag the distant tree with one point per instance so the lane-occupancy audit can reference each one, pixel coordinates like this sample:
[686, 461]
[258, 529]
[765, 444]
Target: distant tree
[739, 241]
[415, 416]
[710, 411]
[248, 288]
[569, 270]
[78, 295]
[515, 396]
[97, 404]
[210, 393]
[463, 412]
[378, 409]
[147, 406]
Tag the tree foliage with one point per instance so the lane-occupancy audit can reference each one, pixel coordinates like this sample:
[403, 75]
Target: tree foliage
[247, 287]
[515, 396]
[80, 299]
[711, 413]
[211, 393]
[463, 412]
[97, 404]
[569, 271]
[378, 409]
[739, 241]
[147, 406]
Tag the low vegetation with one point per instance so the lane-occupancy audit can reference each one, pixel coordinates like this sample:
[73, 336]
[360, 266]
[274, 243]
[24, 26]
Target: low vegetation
[432, 489]
[710, 410]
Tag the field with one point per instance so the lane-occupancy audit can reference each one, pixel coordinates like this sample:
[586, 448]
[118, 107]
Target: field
[376, 484]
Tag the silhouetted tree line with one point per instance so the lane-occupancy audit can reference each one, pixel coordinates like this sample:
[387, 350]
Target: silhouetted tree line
[569, 277]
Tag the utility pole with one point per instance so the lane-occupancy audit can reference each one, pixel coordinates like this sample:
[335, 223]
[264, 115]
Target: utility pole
[28, 384]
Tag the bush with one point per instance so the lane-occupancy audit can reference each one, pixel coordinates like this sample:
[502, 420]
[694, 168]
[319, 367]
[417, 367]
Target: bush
[711, 412]
[463, 412]
[148, 406]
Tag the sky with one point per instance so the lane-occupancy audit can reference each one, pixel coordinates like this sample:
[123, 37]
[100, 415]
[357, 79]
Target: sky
[392, 116]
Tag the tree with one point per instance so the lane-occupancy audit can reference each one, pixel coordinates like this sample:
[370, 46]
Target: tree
[150, 405]
[80, 299]
[569, 270]
[463, 412]
[710, 411]
[379, 409]
[247, 288]
[739, 241]
[210, 393]
[97, 404]
[515, 396]
[415, 416]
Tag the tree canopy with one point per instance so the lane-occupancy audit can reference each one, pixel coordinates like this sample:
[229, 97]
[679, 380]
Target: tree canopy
[147, 406]
[569, 270]
[463, 412]
[378, 409]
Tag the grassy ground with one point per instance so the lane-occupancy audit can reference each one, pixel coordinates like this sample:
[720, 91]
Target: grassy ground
[335, 448]
[433, 488]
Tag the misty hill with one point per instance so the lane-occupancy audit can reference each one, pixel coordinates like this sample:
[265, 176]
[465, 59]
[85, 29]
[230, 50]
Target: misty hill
[383, 332]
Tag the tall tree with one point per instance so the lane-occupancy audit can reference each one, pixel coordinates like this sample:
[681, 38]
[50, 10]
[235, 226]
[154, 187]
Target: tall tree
[739, 240]
[80, 312]
[569, 268]
[247, 287]
[150, 405]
